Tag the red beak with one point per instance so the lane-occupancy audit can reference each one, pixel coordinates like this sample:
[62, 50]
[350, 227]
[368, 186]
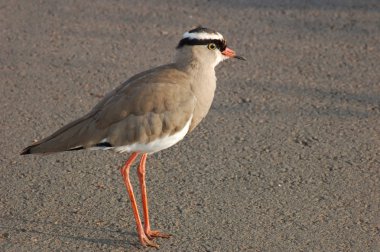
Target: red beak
[231, 54]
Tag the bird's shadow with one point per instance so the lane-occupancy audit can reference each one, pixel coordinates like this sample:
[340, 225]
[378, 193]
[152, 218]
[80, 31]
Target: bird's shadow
[46, 229]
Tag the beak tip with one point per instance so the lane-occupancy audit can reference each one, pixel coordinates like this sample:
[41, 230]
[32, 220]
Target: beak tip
[240, 57]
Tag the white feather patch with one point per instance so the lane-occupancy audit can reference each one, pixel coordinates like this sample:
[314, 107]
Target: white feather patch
[203, 35]
[156, 145]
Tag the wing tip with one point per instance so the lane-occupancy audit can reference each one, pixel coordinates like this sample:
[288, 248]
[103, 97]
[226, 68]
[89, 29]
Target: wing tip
[26, 151]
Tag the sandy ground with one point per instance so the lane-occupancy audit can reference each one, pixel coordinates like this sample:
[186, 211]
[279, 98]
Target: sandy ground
[287, 159]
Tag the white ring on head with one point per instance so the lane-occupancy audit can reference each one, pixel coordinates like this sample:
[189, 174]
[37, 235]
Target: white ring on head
[203, 35]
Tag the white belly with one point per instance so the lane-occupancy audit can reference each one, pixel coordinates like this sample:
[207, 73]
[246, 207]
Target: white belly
[156, 145]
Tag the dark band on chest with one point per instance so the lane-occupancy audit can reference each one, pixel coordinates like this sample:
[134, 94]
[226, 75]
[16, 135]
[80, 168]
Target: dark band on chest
[220, 44]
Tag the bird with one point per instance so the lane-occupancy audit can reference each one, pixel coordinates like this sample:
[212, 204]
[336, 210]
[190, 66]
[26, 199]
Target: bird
[150, 112]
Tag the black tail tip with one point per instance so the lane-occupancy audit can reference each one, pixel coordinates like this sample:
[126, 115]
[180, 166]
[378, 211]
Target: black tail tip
[26, 151]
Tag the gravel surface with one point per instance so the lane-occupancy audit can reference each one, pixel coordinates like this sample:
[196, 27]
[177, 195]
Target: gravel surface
[286, 160]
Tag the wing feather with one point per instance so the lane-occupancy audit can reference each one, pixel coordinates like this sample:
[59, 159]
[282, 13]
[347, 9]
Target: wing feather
[149, 105]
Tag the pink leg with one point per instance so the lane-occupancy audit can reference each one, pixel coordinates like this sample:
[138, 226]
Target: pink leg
[141, 174]
[145, 241]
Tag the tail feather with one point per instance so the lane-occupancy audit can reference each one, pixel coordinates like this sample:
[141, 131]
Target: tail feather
[76, 135]
[26, 150]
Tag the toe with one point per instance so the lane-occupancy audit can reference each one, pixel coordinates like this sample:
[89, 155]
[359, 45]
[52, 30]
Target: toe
[156, 233]
[145, 241]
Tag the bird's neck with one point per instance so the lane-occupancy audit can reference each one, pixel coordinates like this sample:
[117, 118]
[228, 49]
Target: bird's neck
[202, 83]
[199, 68]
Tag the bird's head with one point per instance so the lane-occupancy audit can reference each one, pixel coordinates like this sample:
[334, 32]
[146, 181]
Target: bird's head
[210, 45]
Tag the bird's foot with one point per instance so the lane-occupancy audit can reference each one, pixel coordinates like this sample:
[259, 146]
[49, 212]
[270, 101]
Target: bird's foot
[155, 233]
[145, 241]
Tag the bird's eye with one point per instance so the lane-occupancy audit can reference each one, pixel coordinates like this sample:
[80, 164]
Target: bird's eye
[211, 46]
